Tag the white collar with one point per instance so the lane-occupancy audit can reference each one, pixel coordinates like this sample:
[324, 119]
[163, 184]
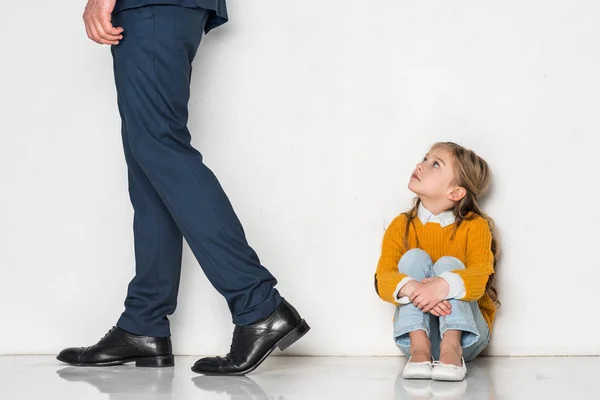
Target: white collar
[444, 219]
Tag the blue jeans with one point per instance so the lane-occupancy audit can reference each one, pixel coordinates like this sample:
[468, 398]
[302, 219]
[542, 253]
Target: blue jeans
[465, 316]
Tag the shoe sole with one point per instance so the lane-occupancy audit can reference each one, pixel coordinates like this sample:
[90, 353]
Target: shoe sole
[144, 362]
[289, 339]
[417, 377]
[447, 379]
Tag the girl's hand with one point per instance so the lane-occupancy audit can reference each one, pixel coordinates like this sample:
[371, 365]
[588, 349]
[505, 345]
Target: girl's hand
[442, 309]
[409, 288]
[430, 293]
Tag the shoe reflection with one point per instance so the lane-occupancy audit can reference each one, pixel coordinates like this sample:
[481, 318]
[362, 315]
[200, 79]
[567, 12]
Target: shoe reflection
[448, 390]
[425, 389]
[237, 387]
[413, 389]
[477, 385]
[124, 381]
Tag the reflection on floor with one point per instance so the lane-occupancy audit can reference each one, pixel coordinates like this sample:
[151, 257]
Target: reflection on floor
[42, 377]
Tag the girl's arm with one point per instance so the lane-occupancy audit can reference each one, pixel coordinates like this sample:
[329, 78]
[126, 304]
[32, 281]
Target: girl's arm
[479, 260]
[387, 277]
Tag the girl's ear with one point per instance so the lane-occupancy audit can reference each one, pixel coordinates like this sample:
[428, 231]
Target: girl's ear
[457, 193]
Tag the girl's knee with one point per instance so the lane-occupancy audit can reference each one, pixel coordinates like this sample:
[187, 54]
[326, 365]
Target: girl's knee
[446, 264]
[415, 261]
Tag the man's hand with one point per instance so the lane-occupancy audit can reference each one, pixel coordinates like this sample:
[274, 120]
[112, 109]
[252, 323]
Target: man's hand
[430, 292]
[97, 17]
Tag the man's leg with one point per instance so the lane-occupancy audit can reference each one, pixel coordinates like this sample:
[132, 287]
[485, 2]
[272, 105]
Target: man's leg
[152, 294]
[152, 73]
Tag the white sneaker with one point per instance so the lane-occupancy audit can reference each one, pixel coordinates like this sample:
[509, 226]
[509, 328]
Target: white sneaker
[448, 372]
[417, 370]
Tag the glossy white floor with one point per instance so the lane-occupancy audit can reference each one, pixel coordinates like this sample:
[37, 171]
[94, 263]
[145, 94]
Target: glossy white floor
[42, 377]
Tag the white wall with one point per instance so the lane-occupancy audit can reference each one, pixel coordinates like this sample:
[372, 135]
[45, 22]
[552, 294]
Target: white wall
[312, 114]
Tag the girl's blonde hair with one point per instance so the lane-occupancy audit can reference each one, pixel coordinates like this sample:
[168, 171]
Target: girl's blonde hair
[472, 173]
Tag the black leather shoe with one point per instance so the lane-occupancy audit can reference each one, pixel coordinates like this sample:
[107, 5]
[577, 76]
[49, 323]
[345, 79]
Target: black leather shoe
[120, 347]
[252, 344]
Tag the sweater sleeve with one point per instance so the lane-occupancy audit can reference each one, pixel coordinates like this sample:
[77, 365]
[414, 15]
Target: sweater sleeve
[479, 260]
[387, 276]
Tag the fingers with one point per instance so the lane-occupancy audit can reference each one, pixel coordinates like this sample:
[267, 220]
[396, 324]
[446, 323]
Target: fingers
[103, 36]
[447, 307]
[87, 30]
[91, 31]
[109, 29]
[421, 302]
[413, 296]
[442, 309]
[415, 293]
[99, 28]
[428, 307]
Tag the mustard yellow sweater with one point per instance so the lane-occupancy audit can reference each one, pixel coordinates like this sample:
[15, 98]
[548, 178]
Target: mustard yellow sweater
[471, 244]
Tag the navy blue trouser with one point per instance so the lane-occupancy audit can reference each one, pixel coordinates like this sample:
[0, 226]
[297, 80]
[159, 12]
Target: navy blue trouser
[172, 192]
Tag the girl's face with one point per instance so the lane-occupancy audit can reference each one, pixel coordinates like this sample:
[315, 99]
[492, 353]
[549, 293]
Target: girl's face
[433, 178]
